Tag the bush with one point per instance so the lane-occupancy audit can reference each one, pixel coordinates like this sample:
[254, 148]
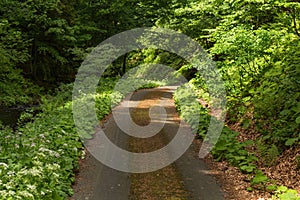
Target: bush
[39, 159]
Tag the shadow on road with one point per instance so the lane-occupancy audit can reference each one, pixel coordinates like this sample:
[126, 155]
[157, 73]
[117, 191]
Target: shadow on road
[187, 178]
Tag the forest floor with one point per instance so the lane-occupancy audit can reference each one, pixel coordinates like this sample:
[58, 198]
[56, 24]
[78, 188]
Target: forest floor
[283, 170]
[187, 178]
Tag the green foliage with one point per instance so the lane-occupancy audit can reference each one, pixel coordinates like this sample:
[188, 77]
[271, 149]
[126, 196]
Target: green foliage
[256, 47]
[46, 34]
[15, 89]
[110, 92]
[227, 147]
[250, 58]
[39, 159]
[189, 110]
[105, 98]
[48, 40]
[194, 18]
[267, 153]
[254, 43]
[262, 182]
[259, 180]
[283, 193]
[234, 152]
[277, 103]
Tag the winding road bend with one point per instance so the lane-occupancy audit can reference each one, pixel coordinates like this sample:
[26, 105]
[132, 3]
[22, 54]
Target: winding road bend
[188, 178]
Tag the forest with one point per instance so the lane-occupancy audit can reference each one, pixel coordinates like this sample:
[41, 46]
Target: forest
[255, 45]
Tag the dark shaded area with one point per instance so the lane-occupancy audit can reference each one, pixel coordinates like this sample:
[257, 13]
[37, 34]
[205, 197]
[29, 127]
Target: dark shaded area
[10, 116]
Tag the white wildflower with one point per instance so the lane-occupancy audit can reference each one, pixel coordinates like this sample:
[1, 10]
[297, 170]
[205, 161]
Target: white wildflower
[10, 173]
[25, 194]
[4, 165]
[31, 187]
[11, 193]
[34, 172]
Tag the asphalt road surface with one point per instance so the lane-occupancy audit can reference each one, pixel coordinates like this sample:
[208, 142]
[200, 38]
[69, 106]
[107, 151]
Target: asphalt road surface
[188, 178]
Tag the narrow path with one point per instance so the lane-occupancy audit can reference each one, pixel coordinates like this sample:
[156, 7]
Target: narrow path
[187, 179]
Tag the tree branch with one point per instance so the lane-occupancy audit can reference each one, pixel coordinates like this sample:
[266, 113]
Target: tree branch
[295, 23]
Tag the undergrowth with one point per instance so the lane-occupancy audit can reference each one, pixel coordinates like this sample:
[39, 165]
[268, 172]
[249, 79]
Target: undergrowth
[233, 151]
[39, 159]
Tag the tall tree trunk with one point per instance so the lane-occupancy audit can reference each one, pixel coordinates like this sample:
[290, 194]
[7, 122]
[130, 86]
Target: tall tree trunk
[124, 64]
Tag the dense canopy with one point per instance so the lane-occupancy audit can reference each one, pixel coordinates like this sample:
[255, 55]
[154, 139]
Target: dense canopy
[254, 43]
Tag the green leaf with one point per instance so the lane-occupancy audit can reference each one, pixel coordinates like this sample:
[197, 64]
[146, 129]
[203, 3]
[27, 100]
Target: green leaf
[298, 120]
[282, 189]
[248, 142]
[248, 168]
[291, 141]
[259, 178]
[271, 188]
[289, 195]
